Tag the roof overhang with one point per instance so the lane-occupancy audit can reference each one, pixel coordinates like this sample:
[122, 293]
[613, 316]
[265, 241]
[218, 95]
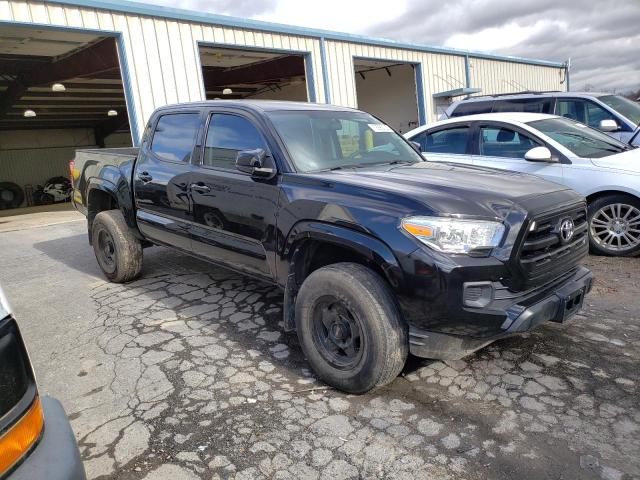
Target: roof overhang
[457, 92]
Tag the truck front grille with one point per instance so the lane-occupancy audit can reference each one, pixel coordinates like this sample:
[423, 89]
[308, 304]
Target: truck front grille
[553, 245]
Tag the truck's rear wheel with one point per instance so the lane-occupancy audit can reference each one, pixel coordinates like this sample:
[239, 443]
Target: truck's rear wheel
[614, 225]
[350, 328]
[118, 251]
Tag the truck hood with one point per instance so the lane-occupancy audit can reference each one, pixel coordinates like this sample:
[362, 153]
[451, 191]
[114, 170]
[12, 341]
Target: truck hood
[456, 189]
[628, 161]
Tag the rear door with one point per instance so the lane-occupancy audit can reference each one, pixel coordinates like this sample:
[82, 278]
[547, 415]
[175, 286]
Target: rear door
[449, 143]
[234, 213]
[504, 146]
[161, 178]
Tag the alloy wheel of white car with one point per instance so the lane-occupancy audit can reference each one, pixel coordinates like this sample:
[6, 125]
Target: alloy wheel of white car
[616, 227]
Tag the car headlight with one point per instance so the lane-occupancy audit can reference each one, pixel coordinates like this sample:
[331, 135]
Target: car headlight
[453, 235]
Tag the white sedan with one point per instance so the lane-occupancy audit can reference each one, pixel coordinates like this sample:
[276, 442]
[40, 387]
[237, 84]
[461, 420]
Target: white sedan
[604, 170]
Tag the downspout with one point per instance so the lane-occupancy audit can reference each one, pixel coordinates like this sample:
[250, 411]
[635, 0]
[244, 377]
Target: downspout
[325, 71]
[567, 69]
[467, 70]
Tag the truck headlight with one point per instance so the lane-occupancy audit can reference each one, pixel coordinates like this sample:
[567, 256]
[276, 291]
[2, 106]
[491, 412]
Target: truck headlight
[453, 235]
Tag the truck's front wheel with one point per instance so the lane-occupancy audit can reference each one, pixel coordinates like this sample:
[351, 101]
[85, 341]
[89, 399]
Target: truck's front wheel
[118, 251]
[350, 328]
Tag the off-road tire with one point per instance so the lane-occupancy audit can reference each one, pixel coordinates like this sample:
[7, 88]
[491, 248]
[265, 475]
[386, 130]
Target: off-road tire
[110, 231]
[384, 335]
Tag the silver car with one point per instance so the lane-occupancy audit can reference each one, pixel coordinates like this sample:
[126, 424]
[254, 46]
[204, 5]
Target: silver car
[604, 170]
[614, 115]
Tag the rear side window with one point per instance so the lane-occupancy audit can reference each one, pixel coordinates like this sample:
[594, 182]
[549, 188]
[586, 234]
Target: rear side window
[531, 105]
[175, 135]
[472, 108]
[452, 140]
[504, 142]
[228, 135]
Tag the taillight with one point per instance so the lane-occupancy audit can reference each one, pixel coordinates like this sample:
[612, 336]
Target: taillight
[19, 439]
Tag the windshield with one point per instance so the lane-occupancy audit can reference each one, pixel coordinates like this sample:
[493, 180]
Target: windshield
[624, 106]
[325, 140]
[582, 140]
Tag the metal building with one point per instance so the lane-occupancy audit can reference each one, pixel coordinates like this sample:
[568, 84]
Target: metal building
[91, 72]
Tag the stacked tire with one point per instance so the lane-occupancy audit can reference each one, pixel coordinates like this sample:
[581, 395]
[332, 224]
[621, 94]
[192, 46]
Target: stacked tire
[11, 195]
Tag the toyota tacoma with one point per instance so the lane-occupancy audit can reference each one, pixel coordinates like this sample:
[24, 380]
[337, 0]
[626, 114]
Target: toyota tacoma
[378, 252]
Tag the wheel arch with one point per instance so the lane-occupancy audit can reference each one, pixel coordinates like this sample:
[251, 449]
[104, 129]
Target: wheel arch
[104, 195]
[611, 191]
[312, 245]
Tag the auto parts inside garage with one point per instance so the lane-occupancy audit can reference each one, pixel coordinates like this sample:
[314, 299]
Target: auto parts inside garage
[230, 73]
[388, 91]
[59, 90]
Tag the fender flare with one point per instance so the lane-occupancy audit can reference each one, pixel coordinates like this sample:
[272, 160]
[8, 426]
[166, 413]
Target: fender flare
[120, 191]
[366, 245]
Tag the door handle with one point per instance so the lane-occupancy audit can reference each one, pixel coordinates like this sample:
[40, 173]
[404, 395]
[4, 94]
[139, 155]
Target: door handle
[145, 177]
[200, 187]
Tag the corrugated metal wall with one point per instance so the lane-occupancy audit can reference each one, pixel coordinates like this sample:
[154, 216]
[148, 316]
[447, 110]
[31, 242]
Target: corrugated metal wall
[163, 64]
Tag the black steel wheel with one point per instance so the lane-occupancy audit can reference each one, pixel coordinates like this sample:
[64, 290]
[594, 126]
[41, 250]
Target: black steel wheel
[118, 251]
[350, 328]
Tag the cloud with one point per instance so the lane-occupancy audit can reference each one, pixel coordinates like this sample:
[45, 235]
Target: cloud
[603, 43]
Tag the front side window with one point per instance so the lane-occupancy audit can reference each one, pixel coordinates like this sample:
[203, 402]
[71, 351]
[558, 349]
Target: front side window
[578, 138]
[504, 142]
[324, 140]
[227, 135]
[584, 111]
[451, 140]
[624, 106]
[175, 135]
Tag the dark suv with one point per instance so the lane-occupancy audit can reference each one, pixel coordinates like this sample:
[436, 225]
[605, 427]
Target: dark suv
[615, 115]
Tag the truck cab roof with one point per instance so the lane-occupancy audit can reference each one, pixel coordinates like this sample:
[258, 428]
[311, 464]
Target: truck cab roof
[258, 105]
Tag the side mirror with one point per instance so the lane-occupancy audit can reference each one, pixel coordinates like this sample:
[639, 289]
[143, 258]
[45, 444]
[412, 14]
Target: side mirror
[253, 162]
[416, 145]
[538, 154]
[609, 125]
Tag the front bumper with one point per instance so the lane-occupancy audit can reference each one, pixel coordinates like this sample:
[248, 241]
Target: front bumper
[56, 456]
[520, 313]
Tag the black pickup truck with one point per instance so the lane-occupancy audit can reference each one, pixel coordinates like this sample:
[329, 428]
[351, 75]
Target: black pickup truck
[378, 252]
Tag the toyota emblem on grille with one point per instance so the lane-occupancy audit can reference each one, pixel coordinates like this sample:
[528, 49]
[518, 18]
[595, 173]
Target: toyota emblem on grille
[566, 230]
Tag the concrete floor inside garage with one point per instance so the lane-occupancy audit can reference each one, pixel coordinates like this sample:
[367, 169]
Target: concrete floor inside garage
[231, 73]
[186, 373]
[59, 90]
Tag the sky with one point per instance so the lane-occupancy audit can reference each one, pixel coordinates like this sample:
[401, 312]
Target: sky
[603, 42]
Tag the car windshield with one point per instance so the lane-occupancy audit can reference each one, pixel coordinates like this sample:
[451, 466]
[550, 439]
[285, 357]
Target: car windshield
[580, 139]
[319, 140]
[626, 107]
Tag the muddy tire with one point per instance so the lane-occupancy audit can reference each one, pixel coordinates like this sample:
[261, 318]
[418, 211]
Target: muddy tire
[350, 328]
[118, 251]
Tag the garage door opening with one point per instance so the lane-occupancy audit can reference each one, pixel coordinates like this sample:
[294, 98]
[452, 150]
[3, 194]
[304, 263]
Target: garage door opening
[388, 90]
[230, 73]
[59, 91]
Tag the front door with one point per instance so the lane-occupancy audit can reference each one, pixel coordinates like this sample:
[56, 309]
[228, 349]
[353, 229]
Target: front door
[502, 147]
[161, 179]
[234, 213]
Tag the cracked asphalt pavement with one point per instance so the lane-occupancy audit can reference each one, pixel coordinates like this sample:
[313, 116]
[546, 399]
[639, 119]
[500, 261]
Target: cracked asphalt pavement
[187, 374]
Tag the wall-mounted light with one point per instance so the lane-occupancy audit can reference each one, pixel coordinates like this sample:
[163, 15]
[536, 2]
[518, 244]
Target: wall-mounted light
[29, 113]
[58, 87]
[112, 113]
[227, 91]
